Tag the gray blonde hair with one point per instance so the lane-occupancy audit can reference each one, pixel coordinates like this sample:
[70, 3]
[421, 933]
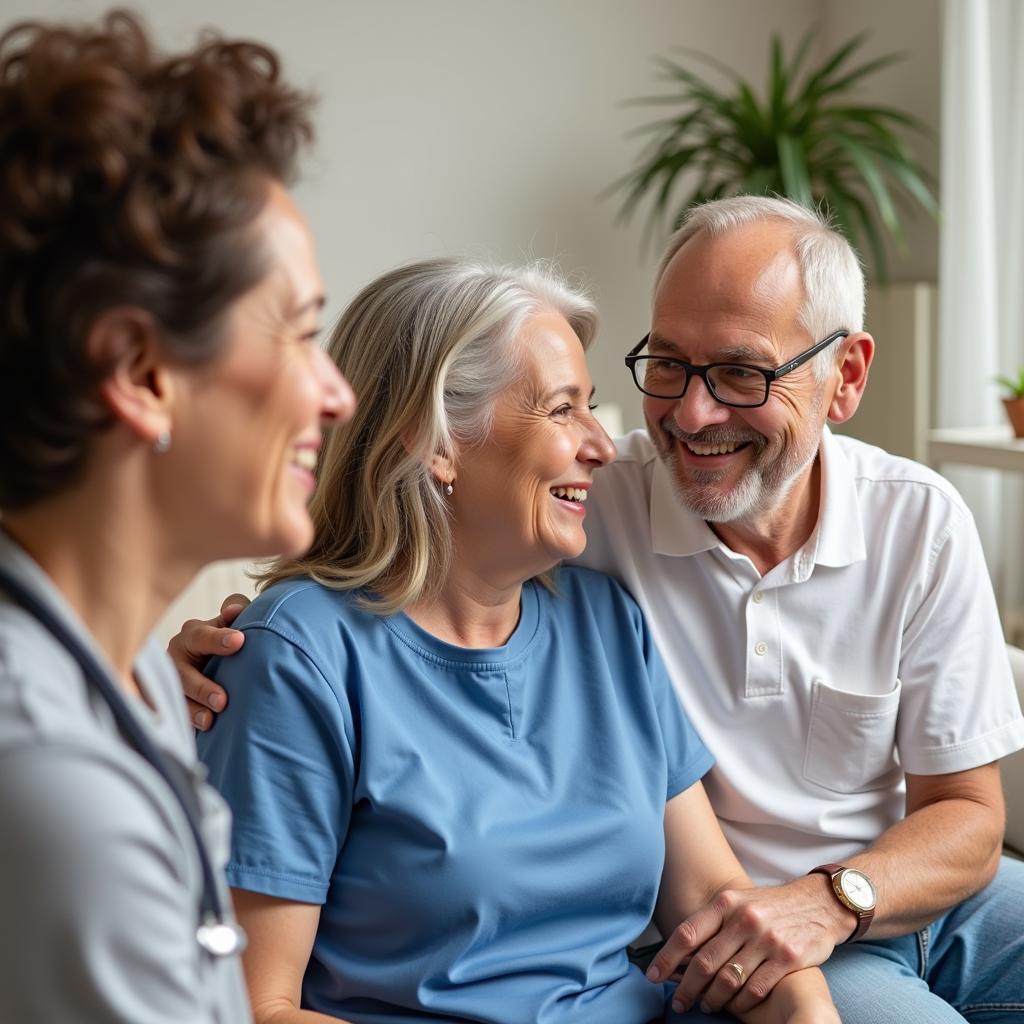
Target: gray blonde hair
[831, 273]
[427, 348]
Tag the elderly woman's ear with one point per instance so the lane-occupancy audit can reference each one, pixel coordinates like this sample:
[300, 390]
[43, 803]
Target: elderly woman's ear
[442, 468]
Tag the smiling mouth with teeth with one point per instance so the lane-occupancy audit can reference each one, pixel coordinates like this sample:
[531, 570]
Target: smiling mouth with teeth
[570, 493]
[305, 458]
[723, 448]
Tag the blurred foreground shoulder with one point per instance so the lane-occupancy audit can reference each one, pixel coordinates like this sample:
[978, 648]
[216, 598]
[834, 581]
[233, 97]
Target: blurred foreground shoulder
[99, 914]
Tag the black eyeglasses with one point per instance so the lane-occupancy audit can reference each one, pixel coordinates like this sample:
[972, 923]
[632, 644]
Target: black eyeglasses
[736, 384]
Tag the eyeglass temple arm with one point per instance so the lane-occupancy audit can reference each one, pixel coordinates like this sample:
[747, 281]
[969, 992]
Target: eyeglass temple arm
[781, 371]
[636, 348]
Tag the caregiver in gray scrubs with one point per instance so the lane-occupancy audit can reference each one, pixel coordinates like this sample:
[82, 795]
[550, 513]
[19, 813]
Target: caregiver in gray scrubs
[161, 406]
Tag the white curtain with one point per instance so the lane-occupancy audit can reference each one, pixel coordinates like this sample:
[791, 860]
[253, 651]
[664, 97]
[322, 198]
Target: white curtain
[981, 269]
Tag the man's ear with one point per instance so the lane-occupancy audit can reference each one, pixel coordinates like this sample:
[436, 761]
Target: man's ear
[857, 352]
[137, 385]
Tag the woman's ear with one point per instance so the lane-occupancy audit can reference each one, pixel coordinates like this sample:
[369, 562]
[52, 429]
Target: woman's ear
[137, 387]
[442, 468]
[858, 351]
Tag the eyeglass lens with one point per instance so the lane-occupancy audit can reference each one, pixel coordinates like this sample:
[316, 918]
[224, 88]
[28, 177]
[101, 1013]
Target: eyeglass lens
[730, 382]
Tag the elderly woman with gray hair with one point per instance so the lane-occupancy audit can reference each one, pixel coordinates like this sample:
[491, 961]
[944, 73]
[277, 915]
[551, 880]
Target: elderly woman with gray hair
[461, 782]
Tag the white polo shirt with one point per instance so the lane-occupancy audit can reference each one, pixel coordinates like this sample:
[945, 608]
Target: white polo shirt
[874, 650]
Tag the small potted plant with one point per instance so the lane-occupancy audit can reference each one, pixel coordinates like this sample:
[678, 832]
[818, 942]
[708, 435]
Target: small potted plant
[1014, 401]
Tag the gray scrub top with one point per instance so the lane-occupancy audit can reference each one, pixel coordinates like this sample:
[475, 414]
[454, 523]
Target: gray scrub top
[99, 876]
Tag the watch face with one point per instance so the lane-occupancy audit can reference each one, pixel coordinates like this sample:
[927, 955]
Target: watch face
[857, 889]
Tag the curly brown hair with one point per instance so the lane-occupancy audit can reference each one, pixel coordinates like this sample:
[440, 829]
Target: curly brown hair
[129, 179]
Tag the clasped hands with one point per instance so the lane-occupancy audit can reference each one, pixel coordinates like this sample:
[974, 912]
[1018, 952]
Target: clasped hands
[769, 932]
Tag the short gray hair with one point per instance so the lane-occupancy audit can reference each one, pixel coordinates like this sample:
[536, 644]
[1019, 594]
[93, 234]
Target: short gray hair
[427, 348]
[831, 273]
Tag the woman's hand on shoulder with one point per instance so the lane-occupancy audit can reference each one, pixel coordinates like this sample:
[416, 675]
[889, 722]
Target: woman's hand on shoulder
[195, 643]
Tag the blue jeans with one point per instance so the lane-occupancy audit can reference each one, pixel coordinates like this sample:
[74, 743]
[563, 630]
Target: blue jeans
[967, 965]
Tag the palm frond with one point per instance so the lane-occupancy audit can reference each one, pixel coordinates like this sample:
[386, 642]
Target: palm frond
[805, 138]
[795, 178]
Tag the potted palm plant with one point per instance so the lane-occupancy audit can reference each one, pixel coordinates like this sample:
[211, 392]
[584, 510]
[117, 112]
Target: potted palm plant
[805, 138]
[1013, 401]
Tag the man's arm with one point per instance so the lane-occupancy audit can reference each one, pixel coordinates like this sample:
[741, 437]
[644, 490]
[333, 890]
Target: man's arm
[946, 849]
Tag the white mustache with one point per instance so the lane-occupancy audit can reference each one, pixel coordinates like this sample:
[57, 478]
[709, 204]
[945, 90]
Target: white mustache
[713, 437]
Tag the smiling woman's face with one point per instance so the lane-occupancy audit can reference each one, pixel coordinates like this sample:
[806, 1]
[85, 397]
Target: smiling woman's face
[520, 497]
[249, 426]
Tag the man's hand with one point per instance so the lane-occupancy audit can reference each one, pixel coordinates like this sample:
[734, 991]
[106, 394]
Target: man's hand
[768, 932]
[190, 649]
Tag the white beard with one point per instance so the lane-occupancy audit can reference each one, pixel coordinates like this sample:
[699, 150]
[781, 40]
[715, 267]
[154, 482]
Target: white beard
[761, 489]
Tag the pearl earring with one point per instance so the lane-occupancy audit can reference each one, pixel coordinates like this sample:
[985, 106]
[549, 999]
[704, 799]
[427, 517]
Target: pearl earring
[162, 442]
[448, 489]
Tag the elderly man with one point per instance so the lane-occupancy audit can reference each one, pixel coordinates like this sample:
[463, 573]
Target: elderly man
[827, 618]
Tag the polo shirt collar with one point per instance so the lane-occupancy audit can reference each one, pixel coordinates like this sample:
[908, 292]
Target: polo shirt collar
[840, 532]
[674, 529]
[837, 540]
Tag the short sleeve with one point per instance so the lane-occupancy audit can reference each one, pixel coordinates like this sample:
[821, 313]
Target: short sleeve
[958, 707]
[99, 922]
[689, 760]
[281, 755]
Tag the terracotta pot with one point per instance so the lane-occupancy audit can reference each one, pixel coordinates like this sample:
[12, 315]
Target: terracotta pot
[1015, 414]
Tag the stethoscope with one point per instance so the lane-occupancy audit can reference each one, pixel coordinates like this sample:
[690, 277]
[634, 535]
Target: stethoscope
[215, 933]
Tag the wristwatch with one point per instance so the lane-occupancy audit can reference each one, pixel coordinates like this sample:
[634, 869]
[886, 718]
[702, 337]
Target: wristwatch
[854, 890]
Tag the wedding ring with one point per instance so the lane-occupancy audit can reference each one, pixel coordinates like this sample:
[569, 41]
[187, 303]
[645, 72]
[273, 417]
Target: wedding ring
[738, 969]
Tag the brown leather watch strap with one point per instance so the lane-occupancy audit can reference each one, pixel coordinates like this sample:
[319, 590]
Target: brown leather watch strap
[864, 919]
[827, 869]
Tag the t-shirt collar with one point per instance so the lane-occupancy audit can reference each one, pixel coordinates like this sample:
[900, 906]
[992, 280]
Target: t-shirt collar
[518, 645]
[838, 538]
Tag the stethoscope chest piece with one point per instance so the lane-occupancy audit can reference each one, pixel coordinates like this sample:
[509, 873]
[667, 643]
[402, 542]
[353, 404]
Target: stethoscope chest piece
[220, 938]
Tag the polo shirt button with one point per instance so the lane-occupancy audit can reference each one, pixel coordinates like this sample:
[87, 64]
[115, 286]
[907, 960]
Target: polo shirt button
[760, 647]
[758, 596]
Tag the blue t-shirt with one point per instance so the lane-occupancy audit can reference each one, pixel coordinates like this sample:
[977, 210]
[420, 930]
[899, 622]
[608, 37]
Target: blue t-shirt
[483, 828]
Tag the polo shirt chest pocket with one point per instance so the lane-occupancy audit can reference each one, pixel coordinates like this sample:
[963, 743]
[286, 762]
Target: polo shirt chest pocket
[851, 741]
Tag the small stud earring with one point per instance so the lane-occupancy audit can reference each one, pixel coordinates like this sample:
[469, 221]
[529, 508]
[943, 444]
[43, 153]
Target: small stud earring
[162, 442]
[448, 489]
